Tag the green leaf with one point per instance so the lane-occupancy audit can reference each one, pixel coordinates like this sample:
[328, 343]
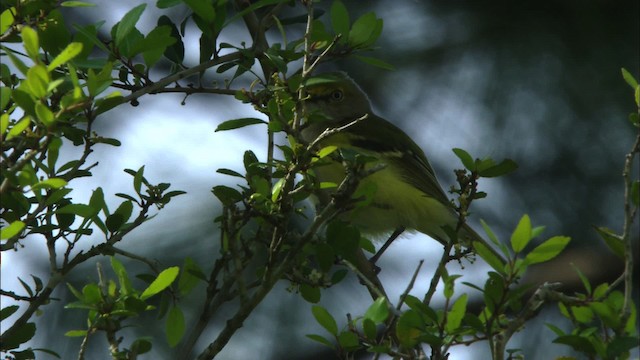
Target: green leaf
[45, 115]
[456, 314]
[369, 329]
[635, 193]
[7, 19]
[52, 183]
[348, 340]
[547, 250]
[277, 188]
[227, 195]
[466, 159]
[310, 293]
[5, 96]
[203, 9]
[628, 77]
[487, 255]
[409, 328]
[378, 312]
[578, 343]
[72, 50]
[238, 123]
[31, 44]
[503, 168]
[8, 311]
[12, 230]
[522, 234]
[326, 151]
[164, 280]
[189, 277]
[175, 326]
[21, 336]
[77, 4]
[123, 277]
[612, 240]
[19, 127]
[164, 4]
[122, 214]
[583, 278]
[325, 319]
[321, 340]
[230, 172]
[375, 62]
[340, 19]
[128, 23]
[82, 210]
[141, 346]
[37, 81]
[76, 333]
[365, 30]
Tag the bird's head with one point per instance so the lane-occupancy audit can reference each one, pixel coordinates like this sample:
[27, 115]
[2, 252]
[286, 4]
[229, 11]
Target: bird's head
[336, 97]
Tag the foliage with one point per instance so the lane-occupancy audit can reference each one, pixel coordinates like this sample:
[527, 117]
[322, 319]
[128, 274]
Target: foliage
[61, 77]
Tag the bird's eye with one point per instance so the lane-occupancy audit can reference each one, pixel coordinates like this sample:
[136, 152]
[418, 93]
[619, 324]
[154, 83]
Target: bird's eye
[337, 95]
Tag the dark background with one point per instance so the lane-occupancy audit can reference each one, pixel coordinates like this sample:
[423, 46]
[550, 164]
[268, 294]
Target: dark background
[535, 81]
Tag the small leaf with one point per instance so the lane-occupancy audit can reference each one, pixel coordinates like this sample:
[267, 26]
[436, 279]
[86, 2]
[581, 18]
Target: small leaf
[635, 193]
[8, 311]
[340, 19]
[487, 255]
[321, 340]
[503, 168]
[12, 230]
[409, 328]
[164, 4]
[378, 312]
[30, 41]
[466, 159]
[456, 314]
[547, 250]
[227, 195]
[77, 4]
[175, 326]
[277, 188]
[522, 234]
[310, 293]
[83, 210]
[230, 172]
[612, 240]
[52, 183]
[324, 318]
[238, 123]
[326, 151]
[578, 343]
[164, 280]
[375, 62]
[7, 19]
[72, 50]
[76, 333]
[628, 77]
[348, 340]
[204, 9]
[128, 23]
[19, 127]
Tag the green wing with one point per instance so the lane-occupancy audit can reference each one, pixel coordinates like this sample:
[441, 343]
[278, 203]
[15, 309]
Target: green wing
[400, 150]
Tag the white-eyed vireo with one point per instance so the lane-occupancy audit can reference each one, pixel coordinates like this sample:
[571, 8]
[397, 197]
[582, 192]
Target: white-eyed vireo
[407, 194]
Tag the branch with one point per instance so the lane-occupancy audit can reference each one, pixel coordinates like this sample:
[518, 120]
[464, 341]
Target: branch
[162, 83]
[629, 215]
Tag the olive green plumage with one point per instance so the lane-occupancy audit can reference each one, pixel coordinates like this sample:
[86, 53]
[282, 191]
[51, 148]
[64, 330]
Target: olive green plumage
[408, 194]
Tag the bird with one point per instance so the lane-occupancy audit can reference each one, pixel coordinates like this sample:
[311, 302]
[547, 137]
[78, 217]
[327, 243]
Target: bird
[408, 194]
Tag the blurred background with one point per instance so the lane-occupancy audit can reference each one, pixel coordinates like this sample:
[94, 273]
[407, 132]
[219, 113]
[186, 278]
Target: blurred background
[535, 81]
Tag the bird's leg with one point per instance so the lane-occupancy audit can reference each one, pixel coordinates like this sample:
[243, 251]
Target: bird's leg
[384, 247]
